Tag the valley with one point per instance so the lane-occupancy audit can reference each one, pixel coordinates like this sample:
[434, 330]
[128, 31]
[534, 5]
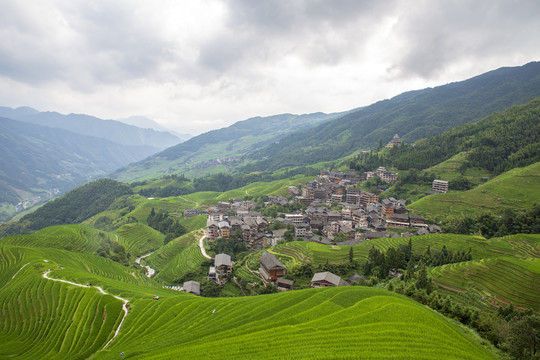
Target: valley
[291, 236]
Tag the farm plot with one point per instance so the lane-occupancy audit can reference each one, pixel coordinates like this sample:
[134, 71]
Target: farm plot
[354, 322]
[139, 239]
[498, 280]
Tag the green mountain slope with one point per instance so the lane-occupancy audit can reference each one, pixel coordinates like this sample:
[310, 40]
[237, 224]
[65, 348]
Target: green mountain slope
[74, 207]
[496, 143]
[413, 115]
[48, 319]
[515, 189]
[37, 159]
[220, 150]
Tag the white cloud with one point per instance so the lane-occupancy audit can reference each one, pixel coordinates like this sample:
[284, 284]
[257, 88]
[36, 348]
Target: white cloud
[198, 65]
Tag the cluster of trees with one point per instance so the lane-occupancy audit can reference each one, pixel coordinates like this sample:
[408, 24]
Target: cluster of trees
[275, 210]
[165, 224]
[510, 222]
[380, 263]
[232, 246]
[166, 191]
[113, 250]
[223, 182]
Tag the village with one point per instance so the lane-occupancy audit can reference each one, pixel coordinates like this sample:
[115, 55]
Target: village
[332, 211]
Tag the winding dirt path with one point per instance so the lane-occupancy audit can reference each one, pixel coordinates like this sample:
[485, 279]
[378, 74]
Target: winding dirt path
[201, 245]
[149, 271]
[124, 306]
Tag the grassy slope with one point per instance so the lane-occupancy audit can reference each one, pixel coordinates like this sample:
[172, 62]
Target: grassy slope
[514, 189]
[503, 270]
[315, 323]
[47, 319]
[176, 258]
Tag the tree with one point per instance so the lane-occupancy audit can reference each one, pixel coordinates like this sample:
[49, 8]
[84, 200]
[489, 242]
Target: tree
[210, 289]
[524, 338]
[423, 280]
[351, 255]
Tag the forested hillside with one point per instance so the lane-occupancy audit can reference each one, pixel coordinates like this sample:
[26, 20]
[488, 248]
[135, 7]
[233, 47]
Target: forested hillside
[36, 159]
[221, 150]
[72, 208]
[412, 115]
[498, 143]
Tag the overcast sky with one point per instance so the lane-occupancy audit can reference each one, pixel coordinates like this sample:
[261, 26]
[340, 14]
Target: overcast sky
[198, 65]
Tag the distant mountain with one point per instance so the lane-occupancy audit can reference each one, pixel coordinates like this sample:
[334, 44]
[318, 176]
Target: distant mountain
[112, 130]
[36, 159]
[413, 115]
[145, 123]
[220, 150]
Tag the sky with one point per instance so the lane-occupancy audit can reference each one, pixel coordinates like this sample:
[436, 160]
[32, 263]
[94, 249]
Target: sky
[198, 65]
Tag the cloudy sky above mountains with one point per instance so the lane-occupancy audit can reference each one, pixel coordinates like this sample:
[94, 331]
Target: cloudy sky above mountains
[196, 65]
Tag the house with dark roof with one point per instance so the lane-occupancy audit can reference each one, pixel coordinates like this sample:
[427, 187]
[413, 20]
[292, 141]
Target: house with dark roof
[221, 270]
[192, 287]
[271, 268]
[284, 284]
[326, 279]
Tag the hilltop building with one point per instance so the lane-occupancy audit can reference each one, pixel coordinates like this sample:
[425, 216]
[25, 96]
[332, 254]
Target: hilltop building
[396, 141]
[440, 186]
[326, 279]
[192, 287]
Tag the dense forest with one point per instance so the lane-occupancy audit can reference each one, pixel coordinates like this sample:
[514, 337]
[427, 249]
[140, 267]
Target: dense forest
[413, 115]
[498, 143]
[72, 208]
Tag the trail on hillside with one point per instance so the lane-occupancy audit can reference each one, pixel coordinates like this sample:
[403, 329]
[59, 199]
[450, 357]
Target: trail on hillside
[124, 306]
[201, 245]
[187, 200]
[149, 271]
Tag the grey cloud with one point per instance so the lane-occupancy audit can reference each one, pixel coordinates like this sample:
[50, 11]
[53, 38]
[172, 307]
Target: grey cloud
[436, 35]
[318, 32]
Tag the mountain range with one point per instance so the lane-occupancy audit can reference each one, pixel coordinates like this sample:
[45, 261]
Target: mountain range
[46, 153]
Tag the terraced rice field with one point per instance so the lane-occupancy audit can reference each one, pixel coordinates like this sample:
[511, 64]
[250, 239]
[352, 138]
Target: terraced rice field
[70, 237]
[43, 319]
[498, 280]
[139, 239]
[176, 258]
[521, 246]
[49, 320]
[352, 322]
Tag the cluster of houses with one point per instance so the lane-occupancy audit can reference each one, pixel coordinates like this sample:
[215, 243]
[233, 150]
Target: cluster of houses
[362, 216]
[273, 271]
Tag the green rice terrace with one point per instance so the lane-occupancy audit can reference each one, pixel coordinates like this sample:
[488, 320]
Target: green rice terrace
[503, 270]
[48, 319]
[60, 299]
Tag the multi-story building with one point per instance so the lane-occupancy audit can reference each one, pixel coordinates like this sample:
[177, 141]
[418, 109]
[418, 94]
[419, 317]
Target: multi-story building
[440, 186]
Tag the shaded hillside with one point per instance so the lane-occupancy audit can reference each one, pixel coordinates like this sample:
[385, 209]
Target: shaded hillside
[513, 190]
[220, 150]
[36, 159]
[413, 115]
[497, 143]
[72, 208]
[112, 130]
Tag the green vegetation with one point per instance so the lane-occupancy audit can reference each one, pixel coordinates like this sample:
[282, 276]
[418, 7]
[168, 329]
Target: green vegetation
[178, 258]
[220, 151]
[516, 189]
[74, 207]
[413, 115]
